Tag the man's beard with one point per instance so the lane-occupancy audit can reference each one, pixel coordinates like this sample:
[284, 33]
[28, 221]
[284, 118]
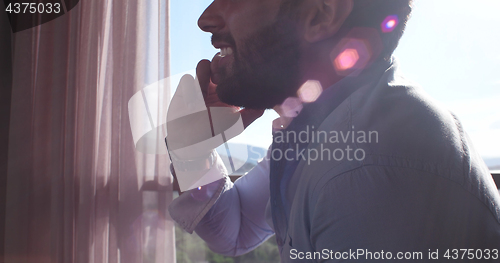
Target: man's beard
[265, 70]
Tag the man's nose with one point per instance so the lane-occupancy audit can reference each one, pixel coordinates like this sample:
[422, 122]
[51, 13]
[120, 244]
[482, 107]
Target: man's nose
[211, 20]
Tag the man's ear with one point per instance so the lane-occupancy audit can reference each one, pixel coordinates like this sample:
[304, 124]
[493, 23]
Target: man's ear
[325, 17]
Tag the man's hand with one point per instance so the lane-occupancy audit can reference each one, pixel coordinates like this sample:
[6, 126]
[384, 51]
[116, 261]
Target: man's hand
[204, 73]
[197, 115]
[197, 123]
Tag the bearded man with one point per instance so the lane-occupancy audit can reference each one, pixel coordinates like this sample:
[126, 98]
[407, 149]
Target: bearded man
[402, 176]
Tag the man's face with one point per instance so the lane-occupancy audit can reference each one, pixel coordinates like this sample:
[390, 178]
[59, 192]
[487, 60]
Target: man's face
[258, 66]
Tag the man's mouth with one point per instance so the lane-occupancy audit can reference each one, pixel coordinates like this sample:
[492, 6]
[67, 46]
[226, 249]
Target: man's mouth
[225, 51]
[221, 62]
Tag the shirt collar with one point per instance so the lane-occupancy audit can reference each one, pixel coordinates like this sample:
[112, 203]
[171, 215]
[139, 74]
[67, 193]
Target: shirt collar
[294, 108]
[287, 111]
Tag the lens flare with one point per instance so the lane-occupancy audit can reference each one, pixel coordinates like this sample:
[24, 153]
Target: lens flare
[310, 91]
[389, 23]
[356, 51]
[291, 107]
[347, 59]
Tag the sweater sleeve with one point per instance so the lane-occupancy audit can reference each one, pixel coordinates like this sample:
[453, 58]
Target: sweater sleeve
[231, 218]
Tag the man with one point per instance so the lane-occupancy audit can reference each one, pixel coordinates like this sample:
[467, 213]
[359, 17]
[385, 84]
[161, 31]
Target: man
[363, 164]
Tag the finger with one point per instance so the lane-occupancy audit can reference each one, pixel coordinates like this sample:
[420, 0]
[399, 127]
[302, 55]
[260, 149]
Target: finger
[211, 89]
[203, 73]
[220, 104]
[248, 116]
[211, 98]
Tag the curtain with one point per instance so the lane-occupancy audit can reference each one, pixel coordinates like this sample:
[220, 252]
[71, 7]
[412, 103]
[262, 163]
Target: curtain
[75, 184]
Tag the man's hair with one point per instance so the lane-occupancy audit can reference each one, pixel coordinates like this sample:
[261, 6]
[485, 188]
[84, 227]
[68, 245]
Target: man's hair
[371, 14]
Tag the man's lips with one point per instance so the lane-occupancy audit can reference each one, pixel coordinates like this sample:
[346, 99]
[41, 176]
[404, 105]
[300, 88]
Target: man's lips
[221, 60]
